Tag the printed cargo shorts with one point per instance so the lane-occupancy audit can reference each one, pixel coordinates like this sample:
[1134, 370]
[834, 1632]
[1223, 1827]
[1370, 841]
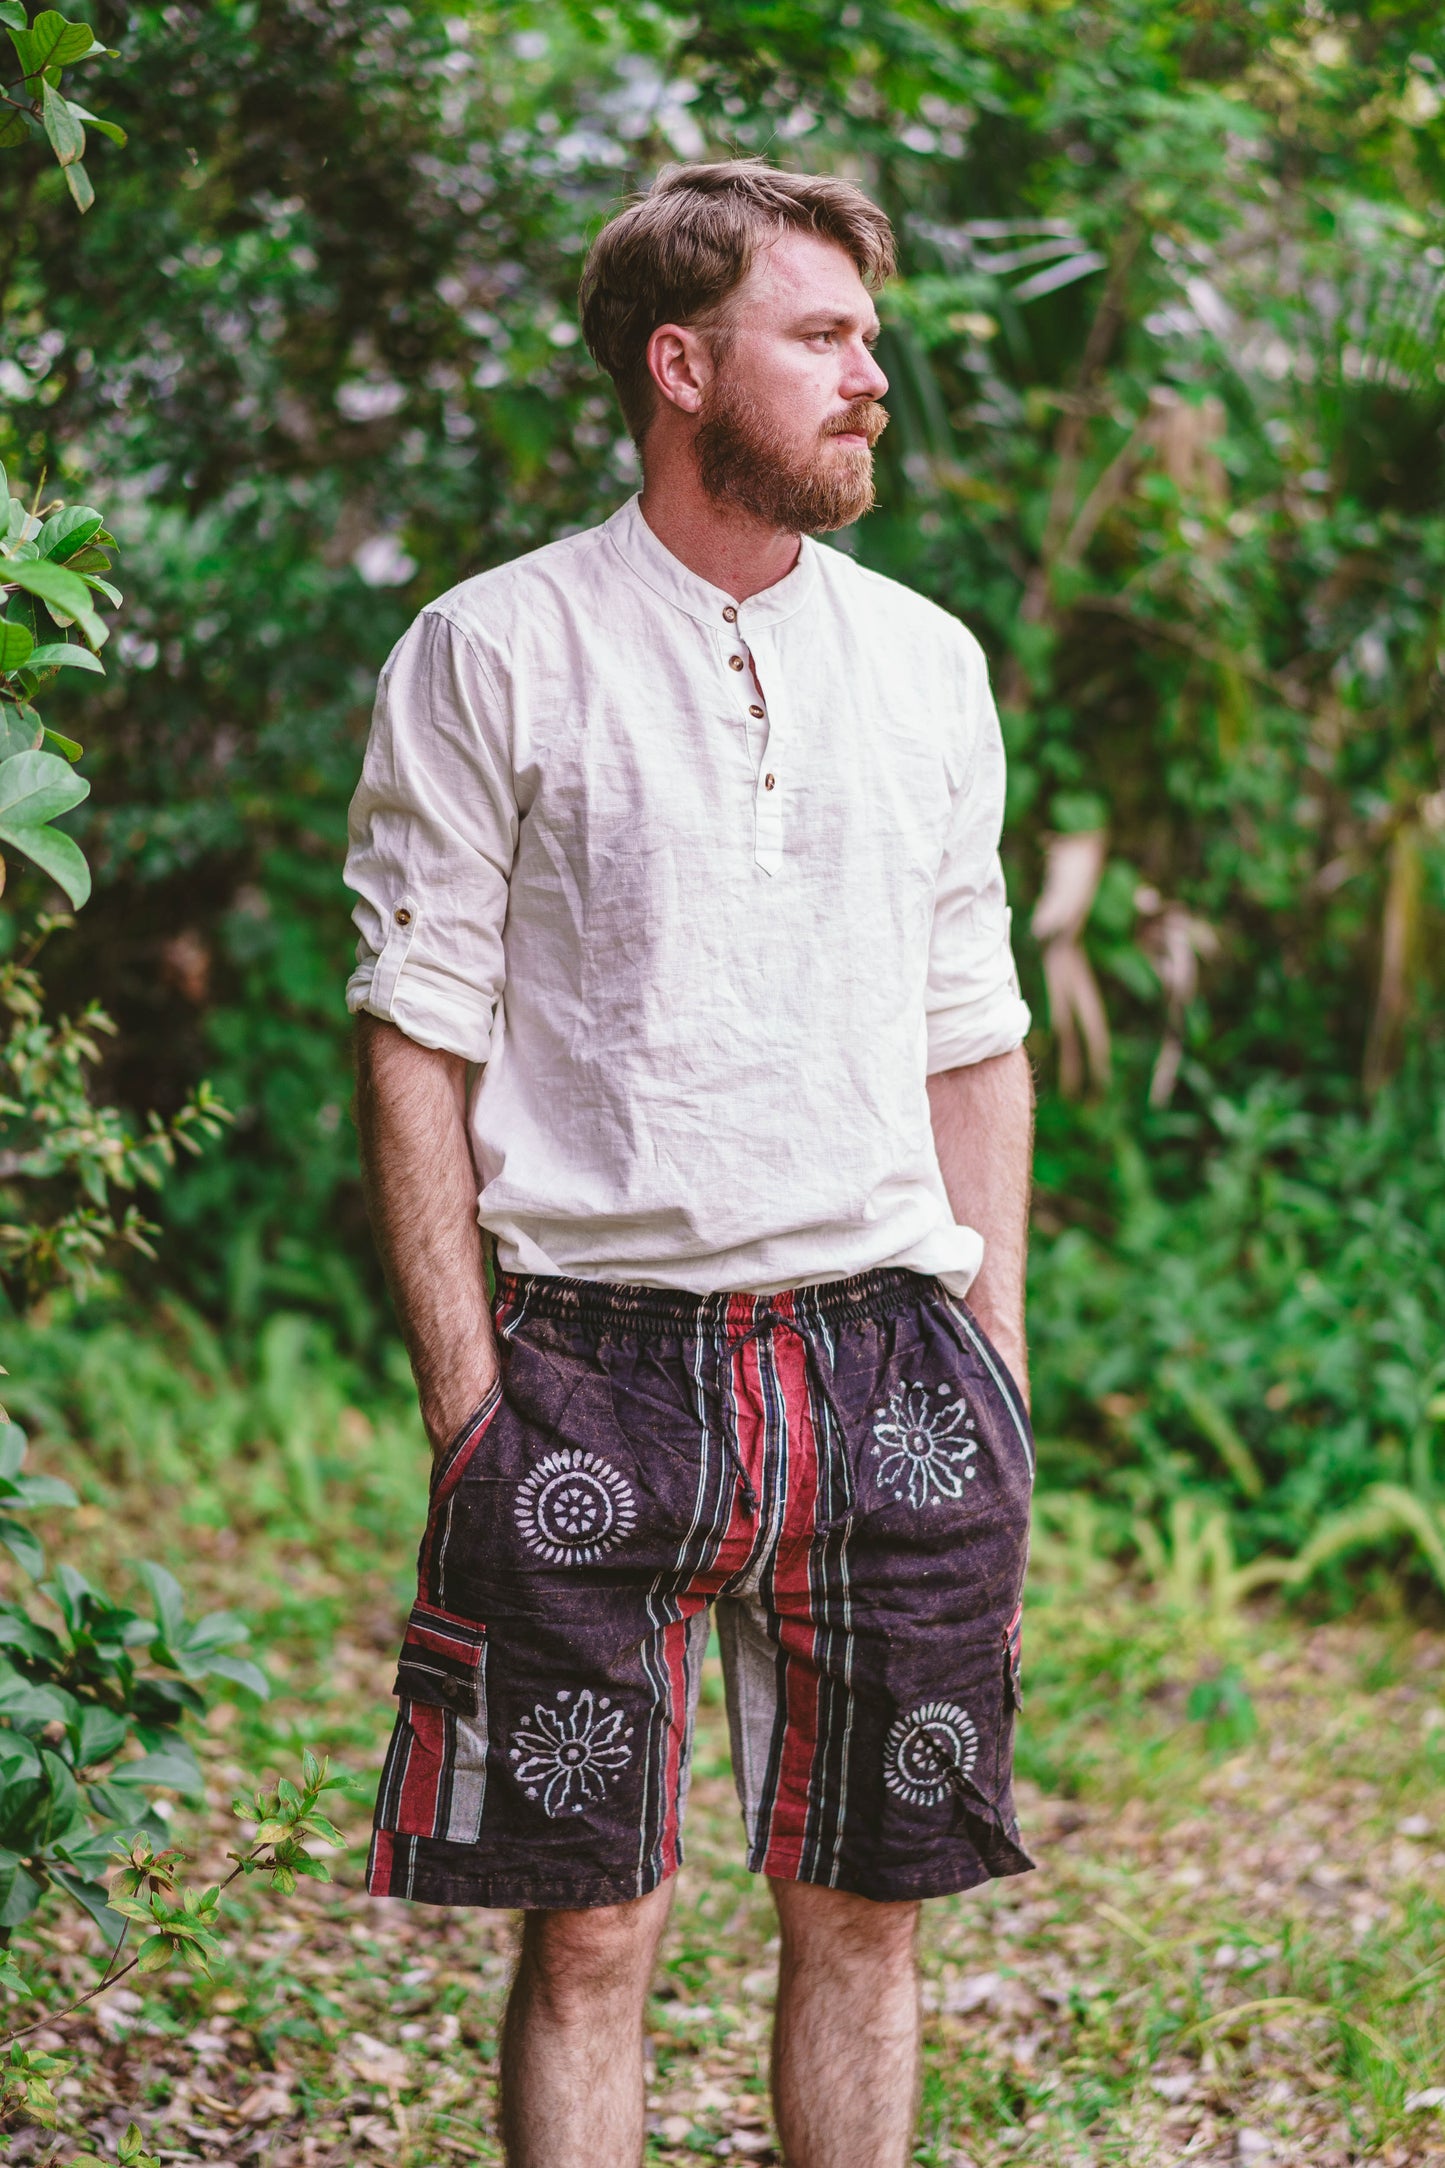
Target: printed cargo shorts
[839, 1475]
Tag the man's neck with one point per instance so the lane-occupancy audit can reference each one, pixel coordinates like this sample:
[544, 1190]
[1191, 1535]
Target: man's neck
[726, 547]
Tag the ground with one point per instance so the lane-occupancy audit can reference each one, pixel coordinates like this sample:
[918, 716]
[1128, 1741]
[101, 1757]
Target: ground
[1231, 1949]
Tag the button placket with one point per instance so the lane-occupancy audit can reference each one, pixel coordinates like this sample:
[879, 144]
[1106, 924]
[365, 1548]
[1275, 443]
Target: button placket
[736, 652]
[767, 786]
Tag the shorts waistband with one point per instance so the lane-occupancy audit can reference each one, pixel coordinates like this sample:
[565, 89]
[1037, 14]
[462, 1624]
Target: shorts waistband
[663, 1312]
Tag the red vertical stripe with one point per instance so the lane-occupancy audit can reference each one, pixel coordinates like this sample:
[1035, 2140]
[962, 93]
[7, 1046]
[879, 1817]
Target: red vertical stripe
[378, 1880]
[421, 1785]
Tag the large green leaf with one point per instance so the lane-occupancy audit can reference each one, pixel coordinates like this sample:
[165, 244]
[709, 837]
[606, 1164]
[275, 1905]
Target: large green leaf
[15, 646]
[12, 1449]
[36, 1490]
[55, 43]
[62, 858]
[94, 1897]
[20, 731]
[23, 1547]
[20, 1893]
[66, 532]
[172, 1767]
[241, 1672]
[93, 120]
[58, 589]
[99, 1734]
[169, 1599]
[65, 655]
[13, 16]
[77, 180]
[67, 137]
[34, 787]
[19, 1631]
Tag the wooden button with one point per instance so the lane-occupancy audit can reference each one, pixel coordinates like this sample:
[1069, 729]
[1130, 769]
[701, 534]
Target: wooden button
[403, 918]
[756, 711]
[735, 662]
[730, 614]
[768, 782]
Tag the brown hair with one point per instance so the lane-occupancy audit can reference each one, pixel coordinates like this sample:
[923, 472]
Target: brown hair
[677, 252]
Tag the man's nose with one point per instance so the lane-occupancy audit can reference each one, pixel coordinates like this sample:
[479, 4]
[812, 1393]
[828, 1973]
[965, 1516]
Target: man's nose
[863, 379]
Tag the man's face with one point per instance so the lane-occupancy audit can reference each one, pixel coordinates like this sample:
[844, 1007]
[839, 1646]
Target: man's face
[789, 420]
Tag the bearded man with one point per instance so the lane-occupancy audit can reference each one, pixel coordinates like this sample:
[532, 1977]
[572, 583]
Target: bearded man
[684, 941]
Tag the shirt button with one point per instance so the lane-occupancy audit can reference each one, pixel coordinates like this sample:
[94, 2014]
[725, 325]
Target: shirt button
[403, 918]
[730, 614]
[735, 662]
[757, 711]
[768, 781]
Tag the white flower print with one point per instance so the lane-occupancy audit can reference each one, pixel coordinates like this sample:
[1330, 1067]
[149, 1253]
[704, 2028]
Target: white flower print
[566, 1755]
[923, 1443]
[927, 1749]
[573, 1506]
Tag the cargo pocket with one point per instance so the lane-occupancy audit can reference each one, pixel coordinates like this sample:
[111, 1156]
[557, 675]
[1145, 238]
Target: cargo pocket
[1013, 1656]
[435, 1780]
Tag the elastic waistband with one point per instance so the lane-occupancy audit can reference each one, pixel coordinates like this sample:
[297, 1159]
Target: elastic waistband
[670, 1312]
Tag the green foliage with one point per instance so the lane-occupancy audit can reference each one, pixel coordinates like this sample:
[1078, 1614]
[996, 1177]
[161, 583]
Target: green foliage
[41, 559]
[85, 1681]
[30, 101]
[53, 1134]
[1270, 1337]
[179, 1923]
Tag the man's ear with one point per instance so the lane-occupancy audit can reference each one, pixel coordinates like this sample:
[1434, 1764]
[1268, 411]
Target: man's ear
[680, 366]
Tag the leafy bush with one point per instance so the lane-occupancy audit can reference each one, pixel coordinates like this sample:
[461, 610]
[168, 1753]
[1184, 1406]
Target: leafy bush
[1273, 1335]
[77, 1693]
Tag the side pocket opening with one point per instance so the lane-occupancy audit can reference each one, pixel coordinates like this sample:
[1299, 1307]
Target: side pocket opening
[450, 1464]
[443, 1660]
[1013, 1656]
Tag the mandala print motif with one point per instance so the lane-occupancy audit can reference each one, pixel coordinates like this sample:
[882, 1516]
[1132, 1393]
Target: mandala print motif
[573, 1507]
[927, 1750]
[923, 1444]
[566, 1756]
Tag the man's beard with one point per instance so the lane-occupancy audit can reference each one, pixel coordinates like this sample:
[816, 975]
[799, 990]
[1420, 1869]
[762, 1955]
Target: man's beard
[745, 462]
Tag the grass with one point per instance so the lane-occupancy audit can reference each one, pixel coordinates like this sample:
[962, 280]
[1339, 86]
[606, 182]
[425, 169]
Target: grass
[1231, 1951]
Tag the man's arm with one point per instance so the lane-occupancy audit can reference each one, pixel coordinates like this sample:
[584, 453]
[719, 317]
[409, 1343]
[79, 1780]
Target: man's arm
[421, 1192]
[983, 1126]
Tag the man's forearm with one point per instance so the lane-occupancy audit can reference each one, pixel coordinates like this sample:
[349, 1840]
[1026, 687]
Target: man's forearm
[421, 1191]
[983, 1121]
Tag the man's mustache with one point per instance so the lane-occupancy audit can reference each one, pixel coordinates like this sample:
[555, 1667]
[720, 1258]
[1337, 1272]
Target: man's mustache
[864, 418]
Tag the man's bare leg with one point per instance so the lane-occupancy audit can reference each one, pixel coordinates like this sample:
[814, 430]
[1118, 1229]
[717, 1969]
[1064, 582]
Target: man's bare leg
[573, 2092]
[845, 2046]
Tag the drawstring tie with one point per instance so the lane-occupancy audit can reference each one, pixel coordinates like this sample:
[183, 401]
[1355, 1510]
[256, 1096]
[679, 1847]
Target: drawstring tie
[825, 1402]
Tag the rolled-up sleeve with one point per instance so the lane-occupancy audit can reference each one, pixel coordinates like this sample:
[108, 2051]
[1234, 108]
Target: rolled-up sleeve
[975, 1009]
[433, 831]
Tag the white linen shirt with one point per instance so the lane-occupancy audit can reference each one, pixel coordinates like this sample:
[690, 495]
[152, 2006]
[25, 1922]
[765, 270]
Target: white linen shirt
[709, 889]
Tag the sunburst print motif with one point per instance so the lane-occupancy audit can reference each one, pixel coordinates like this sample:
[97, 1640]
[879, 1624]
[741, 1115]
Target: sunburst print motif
[927, 1750]
[567, 1755]
[923, 1447]
[573, 1507]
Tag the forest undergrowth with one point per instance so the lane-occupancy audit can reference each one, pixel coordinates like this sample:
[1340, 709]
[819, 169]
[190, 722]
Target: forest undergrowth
[1230, 1951]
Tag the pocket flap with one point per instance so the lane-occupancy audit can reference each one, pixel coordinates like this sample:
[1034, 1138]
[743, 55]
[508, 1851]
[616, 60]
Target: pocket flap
[441, 1660]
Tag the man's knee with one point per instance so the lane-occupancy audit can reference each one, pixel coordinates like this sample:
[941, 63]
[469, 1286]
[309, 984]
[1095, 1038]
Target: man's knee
[833, 1928]
[575, 1961]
